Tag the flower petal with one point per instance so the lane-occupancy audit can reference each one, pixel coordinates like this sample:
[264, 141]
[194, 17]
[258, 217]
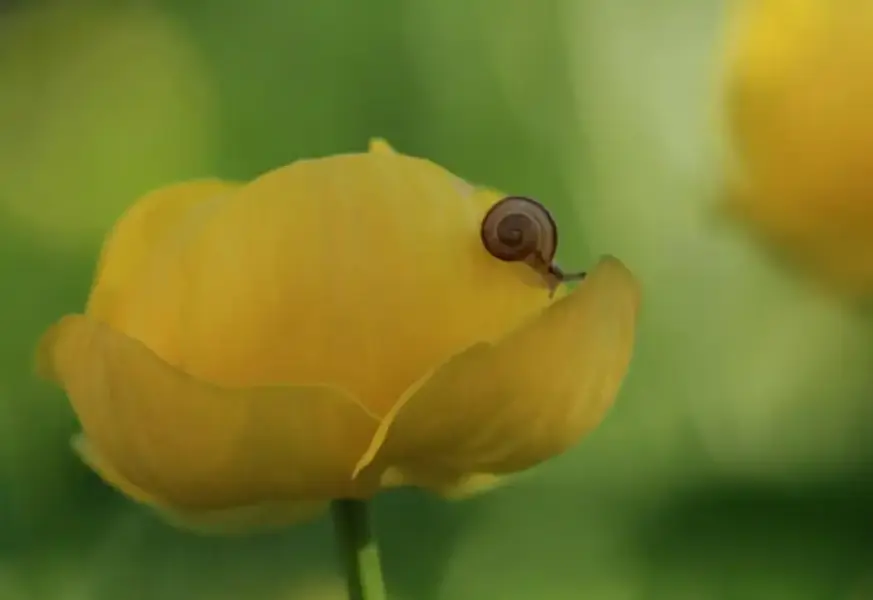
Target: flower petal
[450, 488]
[227, 521]
[506, 407]
[381, 146]
[129, 247]
[168, 439]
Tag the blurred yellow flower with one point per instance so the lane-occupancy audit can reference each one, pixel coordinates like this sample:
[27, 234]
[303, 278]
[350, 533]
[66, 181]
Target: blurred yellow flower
[799, 97]
[336, 326]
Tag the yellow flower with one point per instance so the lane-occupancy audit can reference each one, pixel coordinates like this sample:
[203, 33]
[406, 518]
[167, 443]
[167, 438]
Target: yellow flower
[799, 97]
[336, 326]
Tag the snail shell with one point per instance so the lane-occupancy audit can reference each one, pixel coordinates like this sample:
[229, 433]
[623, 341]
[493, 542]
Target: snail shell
[520, 229]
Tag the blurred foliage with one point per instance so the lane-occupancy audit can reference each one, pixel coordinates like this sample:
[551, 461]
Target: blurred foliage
[736, 464]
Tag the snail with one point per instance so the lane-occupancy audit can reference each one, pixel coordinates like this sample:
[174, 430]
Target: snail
[519, 229]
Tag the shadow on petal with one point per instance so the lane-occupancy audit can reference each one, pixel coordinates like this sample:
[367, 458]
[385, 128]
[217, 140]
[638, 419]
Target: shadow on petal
[506, 407]
[224, 521]
[172, 441]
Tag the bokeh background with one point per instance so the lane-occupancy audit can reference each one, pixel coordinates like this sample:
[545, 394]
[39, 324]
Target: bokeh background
[737, 462]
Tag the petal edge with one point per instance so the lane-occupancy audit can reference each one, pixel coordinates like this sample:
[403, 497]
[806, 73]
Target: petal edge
[506, 407]
[196, 446]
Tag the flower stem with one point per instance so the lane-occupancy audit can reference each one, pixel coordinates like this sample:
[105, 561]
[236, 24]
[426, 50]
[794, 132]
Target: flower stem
[359, 550]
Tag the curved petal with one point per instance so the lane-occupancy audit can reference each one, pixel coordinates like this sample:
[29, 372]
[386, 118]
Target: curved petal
[506, 407]
[129, 247]
[168, 439]
[222, 521]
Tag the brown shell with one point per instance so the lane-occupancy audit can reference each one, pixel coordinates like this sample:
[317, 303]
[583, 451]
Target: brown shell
[520, 229]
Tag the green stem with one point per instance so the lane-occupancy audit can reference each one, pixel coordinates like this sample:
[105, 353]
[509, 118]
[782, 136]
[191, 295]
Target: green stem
[358, 550]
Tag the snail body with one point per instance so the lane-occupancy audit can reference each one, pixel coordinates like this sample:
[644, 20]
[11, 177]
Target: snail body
[520, 229]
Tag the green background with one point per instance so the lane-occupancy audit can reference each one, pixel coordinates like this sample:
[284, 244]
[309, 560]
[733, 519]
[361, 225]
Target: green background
[736, 463]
